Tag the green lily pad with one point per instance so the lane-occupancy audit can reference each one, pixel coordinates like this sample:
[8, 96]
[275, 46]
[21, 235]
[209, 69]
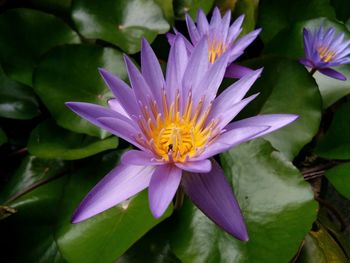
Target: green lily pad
[122, 22]
[181, 7]
[336, 142]
[26, 35]
[331, 89]
[320, 247]
[274, 15]
[339, 176]
[31, 172]
[167, 8]
[50, 141]
[276, 202]
[3, 137]
[70, 73]
[17, 101]
[285, 80]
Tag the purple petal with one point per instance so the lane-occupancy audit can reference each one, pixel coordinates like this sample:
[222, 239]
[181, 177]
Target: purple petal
[135, 157]
[242, 43]
[121, 183]
[171, 38]
[202, 23]
[92, 112]
[192, 29]
[237, 71]
[139, 85]
[233, 94]
[225, 24]
[202, 166]
[332, 73]
[306, 62]
[274, 121]
[121, 129]
[215, 21]
[235, 29]
[197, 67]
[151, 71]
[121, 91]
[176, 66]
[115, 105]
[162, 188]
[213, 195]
[230, 139]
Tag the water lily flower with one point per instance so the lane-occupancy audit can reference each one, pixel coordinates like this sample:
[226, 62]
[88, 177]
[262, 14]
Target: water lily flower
[177, 124]
[324, 49]
[222, 38]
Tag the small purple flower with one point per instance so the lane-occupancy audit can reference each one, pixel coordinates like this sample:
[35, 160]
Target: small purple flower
[222, 38]
[324, 49]
[178, 124]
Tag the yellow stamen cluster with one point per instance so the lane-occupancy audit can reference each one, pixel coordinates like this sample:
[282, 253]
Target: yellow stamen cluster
[215, 49]
[176, 135]
[325, 54]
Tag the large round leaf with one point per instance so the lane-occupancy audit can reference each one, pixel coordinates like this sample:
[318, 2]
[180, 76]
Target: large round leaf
[27, 34]
[286, 87]
[336, 142]
[50, 141]
[122, 22]
[181, 7]
[70, 73]
[274, 15]
[276, 202]
[292, 37]
[339, 176]
[17, 101]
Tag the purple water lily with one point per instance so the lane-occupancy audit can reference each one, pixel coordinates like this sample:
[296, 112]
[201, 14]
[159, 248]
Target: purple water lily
[178, 124]
[324, 49]
[222, 38]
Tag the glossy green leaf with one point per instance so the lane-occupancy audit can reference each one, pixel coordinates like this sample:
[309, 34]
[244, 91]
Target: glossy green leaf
[339, 176]
[292, 37]
[122, 22]
[32, 171]
[59, 7]
[105, 237]
[167, 8]
[3, 137]
[70, 73]
[181, 7]
[276, 202]
[26, 35]
[50, 141]
[250, 10]
[320, 247]
[336, 142]
[27, 235]
[17, 101]
[286, 87]
[274, 15]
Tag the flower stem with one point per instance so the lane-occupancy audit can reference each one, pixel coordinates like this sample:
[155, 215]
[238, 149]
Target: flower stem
[312, 71]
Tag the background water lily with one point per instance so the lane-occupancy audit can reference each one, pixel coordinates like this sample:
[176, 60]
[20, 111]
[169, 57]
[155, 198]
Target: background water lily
[325, 49]
[178, 124]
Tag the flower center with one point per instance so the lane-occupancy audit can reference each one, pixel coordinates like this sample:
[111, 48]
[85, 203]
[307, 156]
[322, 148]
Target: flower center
[325, 54]
[216, 48]
[177, 135]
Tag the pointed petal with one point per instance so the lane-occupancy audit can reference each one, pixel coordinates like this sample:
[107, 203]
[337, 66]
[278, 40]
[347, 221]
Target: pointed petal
[274, 121]
[115, 105]
[121, 91]
[237, 71]
[171, 38]
[332, 73]
[242, 43]
[215, 21]
[92, 112]
[151, 71]
[202, 23]
[138, 83]
[235, 29]
[162, 188]
[229, 139]
[306, 62]
[176, 66]
[192, 29]
[121, 183]
[135, 157]
[212, 194]
[121, 129]
[202, 166]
